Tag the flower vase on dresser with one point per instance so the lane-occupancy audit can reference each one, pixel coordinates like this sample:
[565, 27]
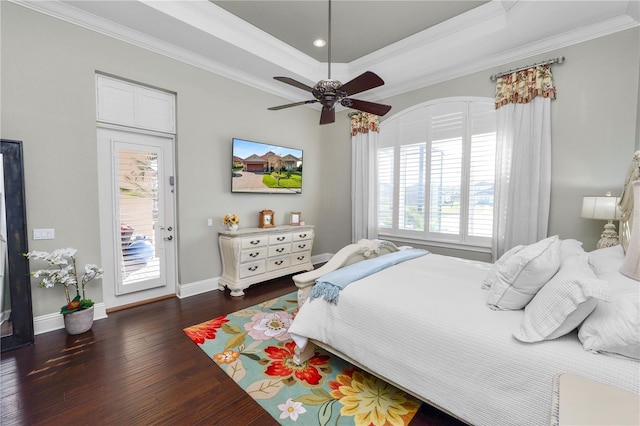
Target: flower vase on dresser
[232, 221]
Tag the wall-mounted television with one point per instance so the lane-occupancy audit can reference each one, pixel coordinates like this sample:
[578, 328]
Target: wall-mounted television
[264, 168]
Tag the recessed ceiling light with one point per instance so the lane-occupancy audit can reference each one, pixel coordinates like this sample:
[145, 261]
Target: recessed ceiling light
[319, 42]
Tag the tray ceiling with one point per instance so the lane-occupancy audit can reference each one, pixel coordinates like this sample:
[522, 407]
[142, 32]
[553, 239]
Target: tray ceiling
[410, 44]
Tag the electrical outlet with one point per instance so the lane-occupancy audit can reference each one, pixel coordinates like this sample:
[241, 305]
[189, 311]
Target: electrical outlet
[209, 222]
[44, 234]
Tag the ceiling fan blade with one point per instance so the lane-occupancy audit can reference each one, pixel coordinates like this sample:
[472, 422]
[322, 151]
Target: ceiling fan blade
[294, 83]
[328, 115]
[364, 81]
[275, 108]
[370, 107]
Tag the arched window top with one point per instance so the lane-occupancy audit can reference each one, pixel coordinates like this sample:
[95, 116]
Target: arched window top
[427, 104]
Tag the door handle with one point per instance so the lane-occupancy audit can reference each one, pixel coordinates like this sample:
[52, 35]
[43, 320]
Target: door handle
[169, 238]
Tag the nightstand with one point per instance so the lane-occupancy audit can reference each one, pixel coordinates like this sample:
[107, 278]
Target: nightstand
[581, 401]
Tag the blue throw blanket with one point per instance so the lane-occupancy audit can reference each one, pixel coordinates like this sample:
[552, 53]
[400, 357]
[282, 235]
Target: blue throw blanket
[329, 285]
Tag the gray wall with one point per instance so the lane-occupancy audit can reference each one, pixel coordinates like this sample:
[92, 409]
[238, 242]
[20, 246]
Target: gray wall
[48, 102]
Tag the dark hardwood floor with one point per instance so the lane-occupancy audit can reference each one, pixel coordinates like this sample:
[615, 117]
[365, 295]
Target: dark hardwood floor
[137, 367]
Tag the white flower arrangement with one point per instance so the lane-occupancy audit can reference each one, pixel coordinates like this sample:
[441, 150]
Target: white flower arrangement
[65, 273]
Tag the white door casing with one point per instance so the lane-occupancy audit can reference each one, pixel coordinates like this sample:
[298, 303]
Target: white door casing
[137, 215]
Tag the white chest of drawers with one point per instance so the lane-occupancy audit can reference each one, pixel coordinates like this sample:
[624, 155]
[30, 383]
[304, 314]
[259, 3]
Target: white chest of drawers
[253, 255]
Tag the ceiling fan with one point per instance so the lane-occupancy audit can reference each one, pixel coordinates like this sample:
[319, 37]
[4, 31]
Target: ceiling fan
[329, 92]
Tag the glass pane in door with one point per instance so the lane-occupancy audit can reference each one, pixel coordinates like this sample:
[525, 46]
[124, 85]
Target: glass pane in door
[138, 216]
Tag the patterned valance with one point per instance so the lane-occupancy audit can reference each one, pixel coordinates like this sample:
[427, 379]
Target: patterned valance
[364, 122]
[522, 86]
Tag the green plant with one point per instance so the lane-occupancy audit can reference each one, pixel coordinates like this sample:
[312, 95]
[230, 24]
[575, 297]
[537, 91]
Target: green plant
[64, 272]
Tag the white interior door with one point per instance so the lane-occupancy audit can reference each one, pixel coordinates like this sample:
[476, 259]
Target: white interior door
[136, 215]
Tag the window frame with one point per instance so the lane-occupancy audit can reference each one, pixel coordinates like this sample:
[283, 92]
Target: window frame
[460, 240]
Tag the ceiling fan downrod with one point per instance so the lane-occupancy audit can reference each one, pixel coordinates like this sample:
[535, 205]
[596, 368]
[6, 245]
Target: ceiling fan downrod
[329, 43]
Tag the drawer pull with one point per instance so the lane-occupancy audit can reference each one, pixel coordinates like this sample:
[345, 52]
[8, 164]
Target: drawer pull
[254, 254]
[254, 242]
[253, 268]
[300, 257]
[281, 238]
[301, 246]
[302, 235]
[280, 250]
[279, 262]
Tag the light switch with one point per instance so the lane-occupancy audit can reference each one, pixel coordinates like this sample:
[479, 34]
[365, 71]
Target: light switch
[209, 222]
[44, 234]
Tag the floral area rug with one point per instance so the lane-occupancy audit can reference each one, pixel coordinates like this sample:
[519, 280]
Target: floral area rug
[254, 348]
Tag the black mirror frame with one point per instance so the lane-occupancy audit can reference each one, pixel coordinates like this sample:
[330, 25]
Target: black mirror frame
[19, 278]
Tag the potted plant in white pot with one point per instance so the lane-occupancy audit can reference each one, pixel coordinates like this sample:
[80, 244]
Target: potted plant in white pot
[78, 312]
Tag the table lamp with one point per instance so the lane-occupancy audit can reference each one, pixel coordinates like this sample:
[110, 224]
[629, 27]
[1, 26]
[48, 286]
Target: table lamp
[603, 208]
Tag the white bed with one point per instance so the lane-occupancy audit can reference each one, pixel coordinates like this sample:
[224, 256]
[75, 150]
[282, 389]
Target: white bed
[424, 325]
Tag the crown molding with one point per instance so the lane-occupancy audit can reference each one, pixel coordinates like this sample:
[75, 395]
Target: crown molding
[484, 19]
[217, 22]
[610, 26]
[402, 64]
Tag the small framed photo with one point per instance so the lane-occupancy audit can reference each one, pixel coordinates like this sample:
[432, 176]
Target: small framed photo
[295, 218]
[266, 219]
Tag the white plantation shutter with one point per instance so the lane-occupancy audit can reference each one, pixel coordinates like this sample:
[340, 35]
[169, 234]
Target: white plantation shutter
[386, 180]
[138, 215]
[413, 134]
[482, 169]
[443, 174]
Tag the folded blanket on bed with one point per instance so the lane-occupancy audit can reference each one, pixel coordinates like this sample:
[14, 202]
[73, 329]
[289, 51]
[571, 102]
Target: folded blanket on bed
[329, 285]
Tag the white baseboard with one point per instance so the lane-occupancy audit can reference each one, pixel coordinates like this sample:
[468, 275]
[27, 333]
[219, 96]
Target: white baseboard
[5, 315]
[50, 322]
[198, 287]
[321, 258]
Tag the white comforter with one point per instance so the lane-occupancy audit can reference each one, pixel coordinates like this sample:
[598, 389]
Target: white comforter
[424, 324]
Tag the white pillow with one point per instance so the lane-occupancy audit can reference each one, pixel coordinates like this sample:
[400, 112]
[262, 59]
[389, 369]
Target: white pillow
[606, 259]
[563, 303]
[615, 327]
[523, 274]
[491, 276]
[570, 247]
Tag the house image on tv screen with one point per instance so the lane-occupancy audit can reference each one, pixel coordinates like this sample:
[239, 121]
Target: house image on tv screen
[259, 167]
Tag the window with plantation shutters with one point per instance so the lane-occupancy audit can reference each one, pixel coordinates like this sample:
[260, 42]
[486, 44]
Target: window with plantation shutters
[436, 165]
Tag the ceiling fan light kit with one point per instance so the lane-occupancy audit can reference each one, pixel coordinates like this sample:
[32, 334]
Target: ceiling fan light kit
[329, 92]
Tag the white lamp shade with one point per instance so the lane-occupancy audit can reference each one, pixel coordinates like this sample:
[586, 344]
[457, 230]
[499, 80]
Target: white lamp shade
[604, 208]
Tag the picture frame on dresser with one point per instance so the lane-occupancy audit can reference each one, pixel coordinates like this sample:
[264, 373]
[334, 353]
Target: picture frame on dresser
[294, 218]
[266, 219]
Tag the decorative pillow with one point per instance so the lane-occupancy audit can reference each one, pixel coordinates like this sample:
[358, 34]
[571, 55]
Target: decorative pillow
[606, 259]
[569, 248]
[491, 276]
[520, 277]
[613, 327]
[563, 303]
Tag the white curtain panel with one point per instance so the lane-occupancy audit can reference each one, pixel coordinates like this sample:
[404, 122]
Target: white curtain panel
[523, 170]
[364, 147]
